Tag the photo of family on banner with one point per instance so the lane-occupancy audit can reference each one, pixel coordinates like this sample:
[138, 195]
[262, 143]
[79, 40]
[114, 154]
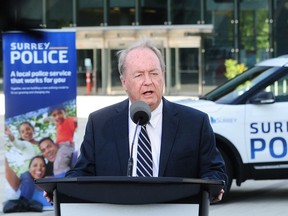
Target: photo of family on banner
[40, 114]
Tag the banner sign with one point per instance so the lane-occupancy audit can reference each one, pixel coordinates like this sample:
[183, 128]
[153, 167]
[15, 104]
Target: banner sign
[40, 110]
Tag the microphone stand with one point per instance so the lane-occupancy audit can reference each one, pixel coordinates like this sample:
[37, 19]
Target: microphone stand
[130, 160]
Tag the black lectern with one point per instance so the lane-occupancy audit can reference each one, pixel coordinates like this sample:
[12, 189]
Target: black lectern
[131, 191]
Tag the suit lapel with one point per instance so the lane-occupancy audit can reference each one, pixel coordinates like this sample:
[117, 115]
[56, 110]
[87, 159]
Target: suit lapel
[169, 128]
[121, 135]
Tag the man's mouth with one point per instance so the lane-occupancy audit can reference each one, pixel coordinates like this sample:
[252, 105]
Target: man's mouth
[148, 93]
[50, 157]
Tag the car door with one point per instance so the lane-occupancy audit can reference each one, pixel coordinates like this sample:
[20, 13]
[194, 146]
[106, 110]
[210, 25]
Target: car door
[266, 124]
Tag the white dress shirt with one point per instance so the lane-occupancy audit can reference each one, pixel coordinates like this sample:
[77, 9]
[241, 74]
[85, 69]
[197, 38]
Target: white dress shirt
[154, 130]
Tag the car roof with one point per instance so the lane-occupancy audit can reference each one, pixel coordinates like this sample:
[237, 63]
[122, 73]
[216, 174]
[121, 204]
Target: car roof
[281, 61]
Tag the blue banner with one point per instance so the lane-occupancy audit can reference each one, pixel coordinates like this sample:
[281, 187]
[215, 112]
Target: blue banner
[40, 111]
[41, 70]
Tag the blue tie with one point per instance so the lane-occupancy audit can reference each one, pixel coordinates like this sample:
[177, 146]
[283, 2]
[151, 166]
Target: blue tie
[144, 155]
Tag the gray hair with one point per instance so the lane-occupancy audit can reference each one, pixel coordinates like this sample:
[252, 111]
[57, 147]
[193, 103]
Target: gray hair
[144, 43]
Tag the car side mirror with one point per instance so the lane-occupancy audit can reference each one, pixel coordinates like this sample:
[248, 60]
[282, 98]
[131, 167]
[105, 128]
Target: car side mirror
[263, 98]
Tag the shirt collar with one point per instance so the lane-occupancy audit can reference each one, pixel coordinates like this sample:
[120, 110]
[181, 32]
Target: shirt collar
[155, 115]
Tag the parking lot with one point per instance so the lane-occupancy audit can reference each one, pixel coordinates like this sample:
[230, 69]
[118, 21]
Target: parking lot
[265, 198]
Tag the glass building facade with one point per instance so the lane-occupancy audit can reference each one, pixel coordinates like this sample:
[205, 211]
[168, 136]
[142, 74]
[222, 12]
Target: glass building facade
[197, 36]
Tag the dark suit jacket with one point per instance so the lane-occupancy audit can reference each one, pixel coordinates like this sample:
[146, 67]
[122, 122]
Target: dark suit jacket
[187, 148]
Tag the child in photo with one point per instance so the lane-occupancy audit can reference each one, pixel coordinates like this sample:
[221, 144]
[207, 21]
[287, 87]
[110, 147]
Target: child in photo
[65, 129]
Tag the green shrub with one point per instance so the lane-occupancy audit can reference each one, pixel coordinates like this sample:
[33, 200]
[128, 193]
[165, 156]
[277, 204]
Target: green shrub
[233, 68]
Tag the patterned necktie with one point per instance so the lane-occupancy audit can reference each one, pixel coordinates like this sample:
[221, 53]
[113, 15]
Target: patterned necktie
[144, 155]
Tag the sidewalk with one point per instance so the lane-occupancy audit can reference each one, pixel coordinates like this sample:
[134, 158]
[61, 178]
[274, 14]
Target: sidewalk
[85, 105]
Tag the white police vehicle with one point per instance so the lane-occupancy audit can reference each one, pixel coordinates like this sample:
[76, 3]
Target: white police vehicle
[249, 115]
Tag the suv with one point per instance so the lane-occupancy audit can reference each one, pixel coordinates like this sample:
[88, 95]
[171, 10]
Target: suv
[249, 115]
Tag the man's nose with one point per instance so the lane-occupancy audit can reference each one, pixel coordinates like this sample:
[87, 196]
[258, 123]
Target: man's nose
[147, 79]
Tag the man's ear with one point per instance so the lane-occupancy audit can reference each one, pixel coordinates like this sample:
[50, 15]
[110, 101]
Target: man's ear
[123, 81]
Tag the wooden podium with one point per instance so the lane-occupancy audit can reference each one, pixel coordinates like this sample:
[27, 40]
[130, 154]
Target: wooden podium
[131, 191]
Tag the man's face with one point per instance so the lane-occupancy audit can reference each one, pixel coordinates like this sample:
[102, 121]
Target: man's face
[48, 149]
[143, 78]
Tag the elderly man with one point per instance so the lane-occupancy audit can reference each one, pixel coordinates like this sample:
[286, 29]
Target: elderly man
[179, 140]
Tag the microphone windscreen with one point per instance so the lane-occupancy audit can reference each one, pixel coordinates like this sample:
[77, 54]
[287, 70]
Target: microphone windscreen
[140, 112]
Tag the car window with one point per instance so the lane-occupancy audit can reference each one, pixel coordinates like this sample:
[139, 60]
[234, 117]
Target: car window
[245, 82]
[279, 89]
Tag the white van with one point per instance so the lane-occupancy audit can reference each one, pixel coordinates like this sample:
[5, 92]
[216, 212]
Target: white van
[249, 115]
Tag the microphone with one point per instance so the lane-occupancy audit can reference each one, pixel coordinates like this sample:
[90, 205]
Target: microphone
[140, 114]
